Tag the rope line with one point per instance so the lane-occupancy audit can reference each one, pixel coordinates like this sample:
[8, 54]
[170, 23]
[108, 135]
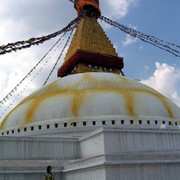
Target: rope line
[36, 41]
[29, 73]
[59, 57]
[9, 96]
[164, 45]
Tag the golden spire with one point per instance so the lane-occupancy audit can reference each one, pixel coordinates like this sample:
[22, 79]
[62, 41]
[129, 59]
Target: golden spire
[90, 37]
[90, 49]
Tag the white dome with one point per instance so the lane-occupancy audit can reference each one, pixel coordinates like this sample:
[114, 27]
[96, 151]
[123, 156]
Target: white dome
[91, 96]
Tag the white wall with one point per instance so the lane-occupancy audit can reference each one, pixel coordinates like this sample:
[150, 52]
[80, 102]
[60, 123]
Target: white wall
[22, 148]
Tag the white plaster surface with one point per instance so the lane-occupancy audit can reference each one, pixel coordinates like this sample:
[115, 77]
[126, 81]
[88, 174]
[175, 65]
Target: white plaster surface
[107, 153]
[91, 96]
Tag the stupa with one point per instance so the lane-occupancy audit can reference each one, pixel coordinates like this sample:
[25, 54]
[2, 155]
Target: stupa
[92, 122]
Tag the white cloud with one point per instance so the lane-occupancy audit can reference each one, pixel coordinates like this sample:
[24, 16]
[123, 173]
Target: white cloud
[146, 67]
[117, 8]
[129, 40]
[165, 79]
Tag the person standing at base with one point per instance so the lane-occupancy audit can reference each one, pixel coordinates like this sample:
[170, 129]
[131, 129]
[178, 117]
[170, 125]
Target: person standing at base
[49, 175]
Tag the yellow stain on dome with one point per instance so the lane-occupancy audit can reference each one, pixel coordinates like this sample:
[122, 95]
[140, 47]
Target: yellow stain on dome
[164, 101]
[7, 117]
[78, 99]
[130, 104]
[79, 96]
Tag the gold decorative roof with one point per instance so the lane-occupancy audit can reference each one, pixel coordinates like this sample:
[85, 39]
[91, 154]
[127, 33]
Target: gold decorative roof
[90, 37]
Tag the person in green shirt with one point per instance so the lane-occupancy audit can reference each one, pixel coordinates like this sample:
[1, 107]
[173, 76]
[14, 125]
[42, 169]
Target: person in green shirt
[49, 175]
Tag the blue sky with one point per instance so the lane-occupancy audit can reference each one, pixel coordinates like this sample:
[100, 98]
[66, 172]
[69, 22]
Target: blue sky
[145, 62]
[155, 18]
[21, 20]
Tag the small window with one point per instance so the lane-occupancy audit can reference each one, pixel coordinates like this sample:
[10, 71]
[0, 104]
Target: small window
[12, 131]
[156, 122]
[131, 121]
[84, 123]
[175, 123]
[65, 124]
[170, 123]
[113, 122]
[56, 125]
[7, 132]
[25, 129]
[140, 121]
[94, 123]
[32, 128]
[18, 130]
[122, 121]
[48, 126]
[3, 134]
[103, 122]
[164, 122]
[74, 124]
[148, 122]
[39, 126]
